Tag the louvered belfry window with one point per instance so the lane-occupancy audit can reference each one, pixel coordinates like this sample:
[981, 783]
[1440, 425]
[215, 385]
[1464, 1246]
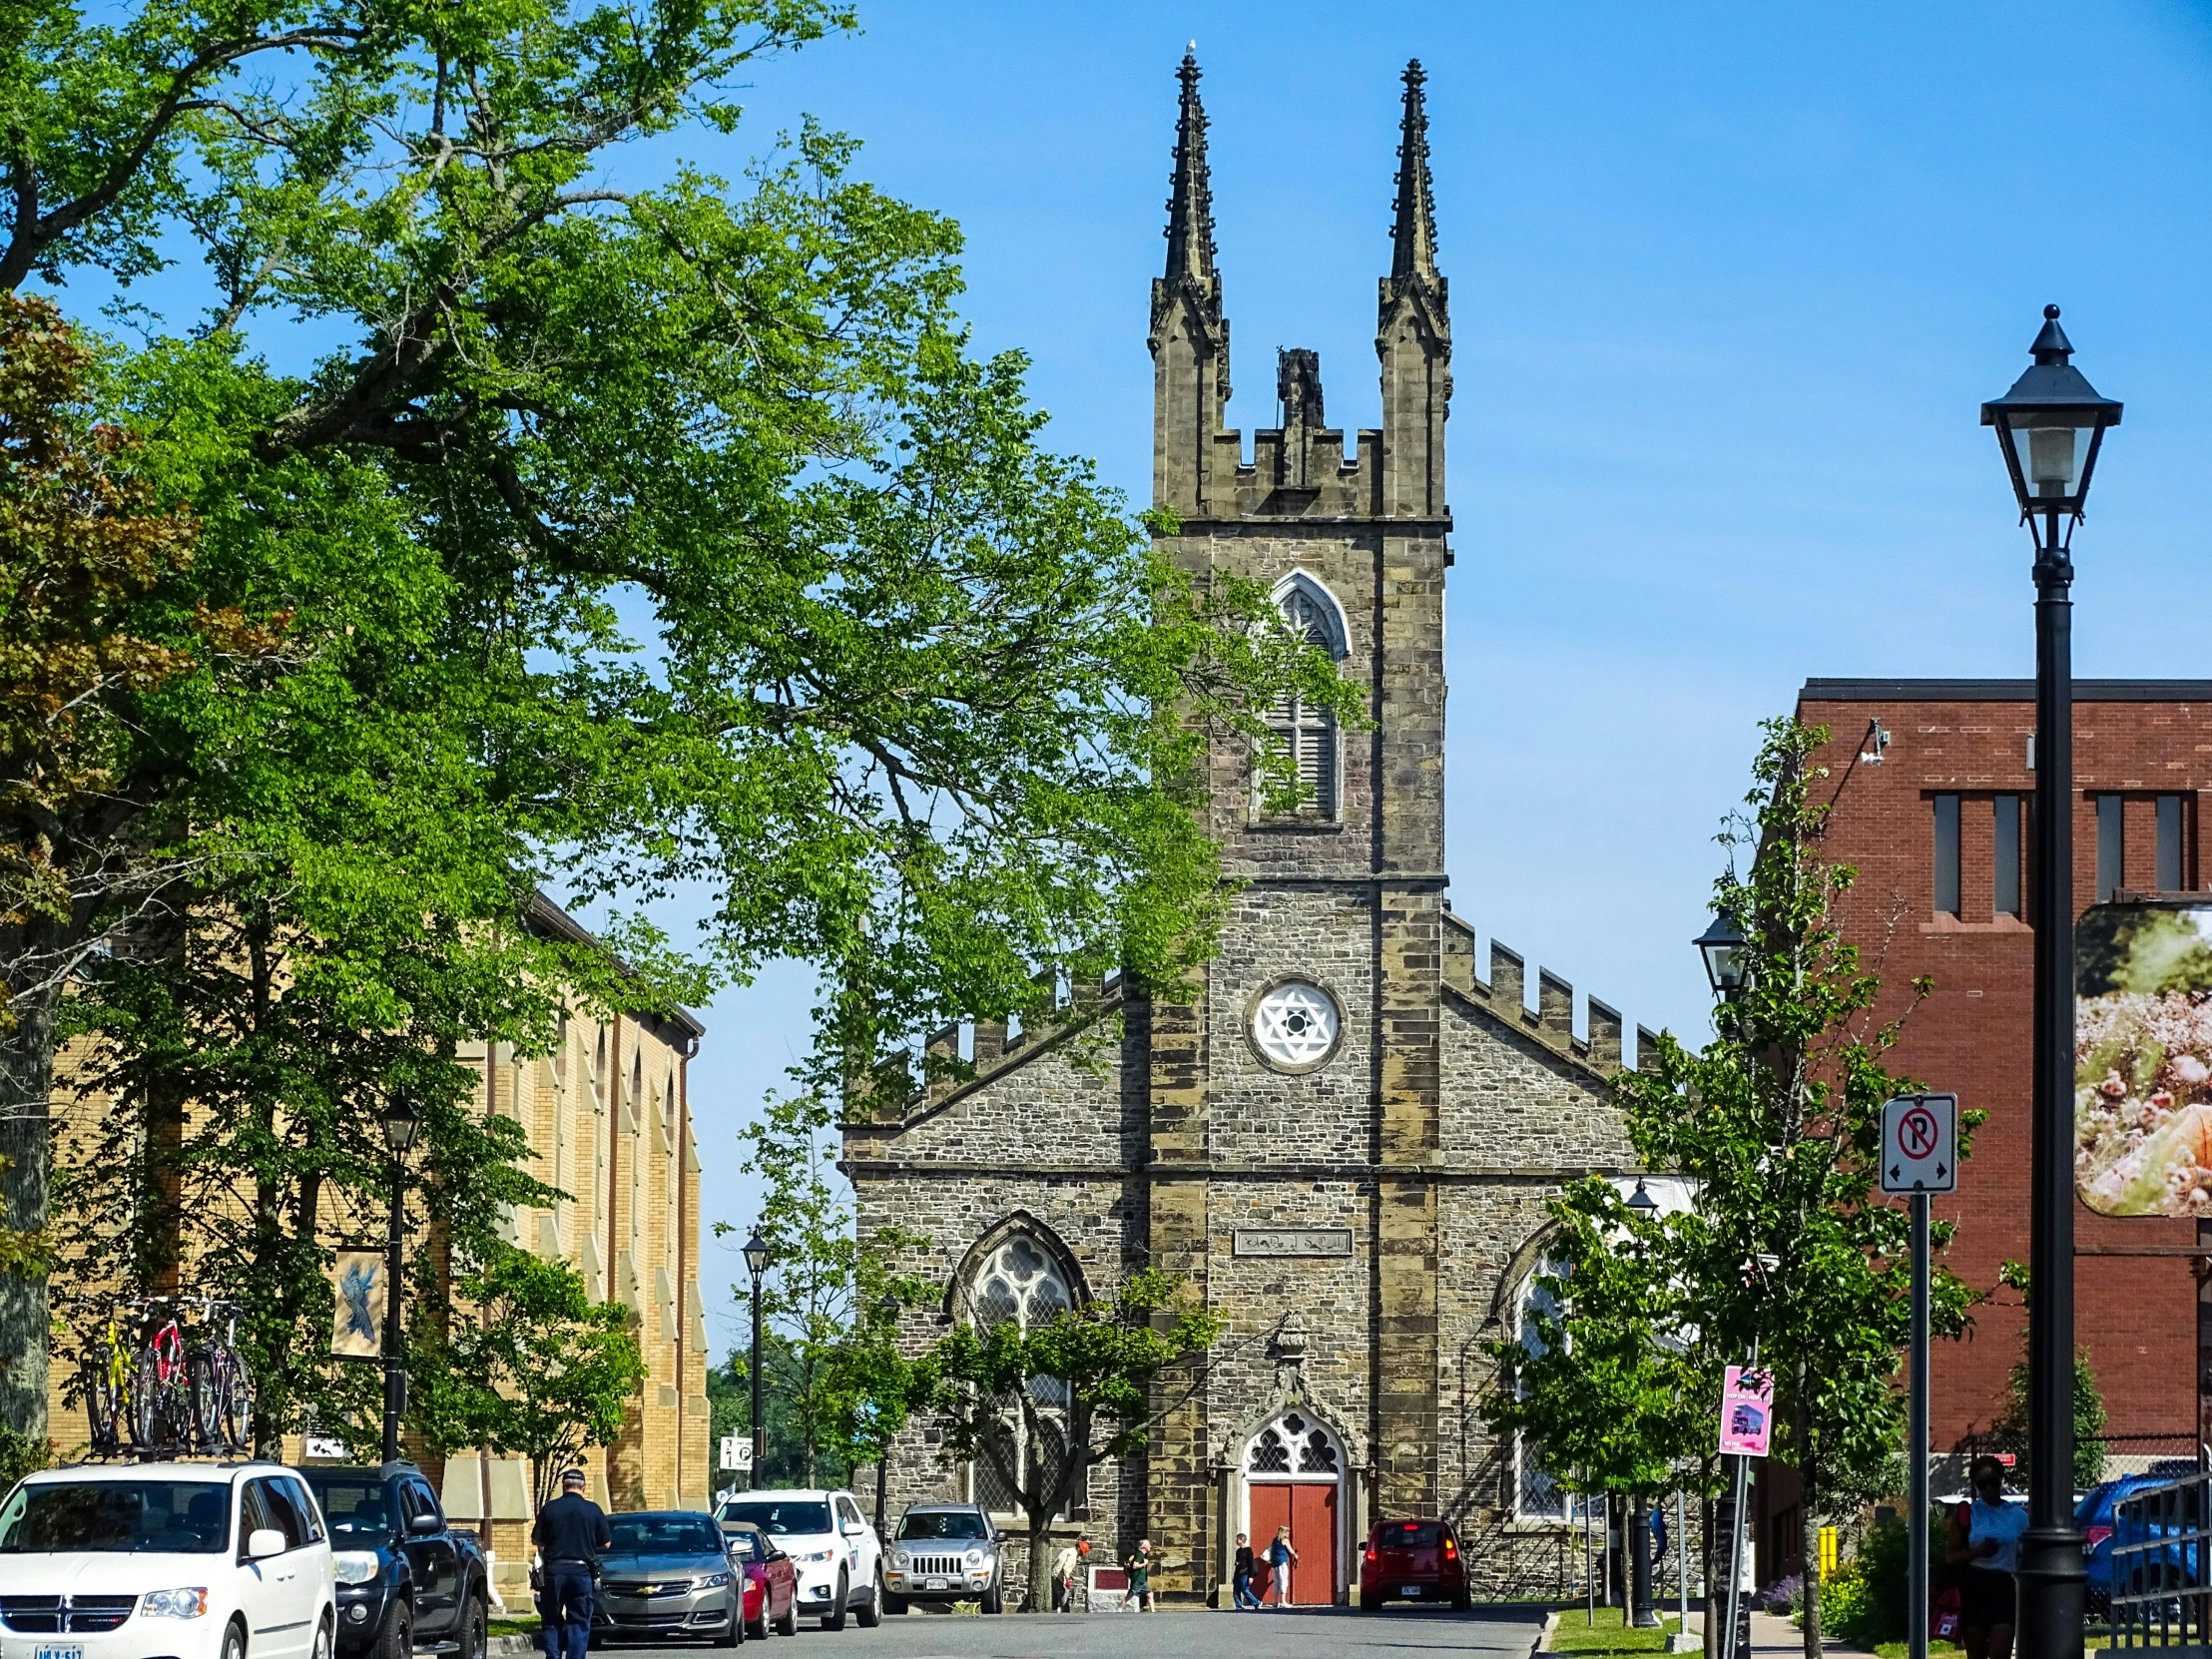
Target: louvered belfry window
[1310, 734]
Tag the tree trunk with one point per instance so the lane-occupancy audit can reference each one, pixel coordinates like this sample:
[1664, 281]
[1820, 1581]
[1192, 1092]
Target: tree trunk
[1711, 1580]
[1809, 1525]
[26, 1095]
[1040, 1564]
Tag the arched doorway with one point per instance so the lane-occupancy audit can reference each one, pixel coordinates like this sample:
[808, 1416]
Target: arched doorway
[1294, 1471]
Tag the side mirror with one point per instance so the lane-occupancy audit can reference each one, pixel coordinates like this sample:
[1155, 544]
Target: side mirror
[999, 1537]
[263, 1542]
[852, 1529]
[426, 1524]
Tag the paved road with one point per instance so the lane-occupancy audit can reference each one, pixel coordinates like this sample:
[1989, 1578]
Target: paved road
[1393, 1633]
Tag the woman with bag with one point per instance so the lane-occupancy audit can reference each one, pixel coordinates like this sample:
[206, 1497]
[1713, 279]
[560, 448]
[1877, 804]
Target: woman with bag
[1985, 1548]
[1283, 1558]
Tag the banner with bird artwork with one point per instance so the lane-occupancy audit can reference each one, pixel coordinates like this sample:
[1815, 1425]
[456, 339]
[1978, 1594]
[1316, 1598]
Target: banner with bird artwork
[2143, 1058]
[358, 1327]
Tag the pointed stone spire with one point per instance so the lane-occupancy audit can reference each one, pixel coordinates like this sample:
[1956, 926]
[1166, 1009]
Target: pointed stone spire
[1415, 234]
[1189, 230]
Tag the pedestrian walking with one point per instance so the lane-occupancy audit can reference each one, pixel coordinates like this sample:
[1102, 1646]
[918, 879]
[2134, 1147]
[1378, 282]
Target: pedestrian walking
[1240, 1590]
[1985, 1548]
[1063, 1577]
[1282, 1558]
[571, 1535]
[1140, 1579]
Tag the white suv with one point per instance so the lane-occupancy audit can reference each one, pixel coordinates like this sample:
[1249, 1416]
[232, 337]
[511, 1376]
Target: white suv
[189, 1560]
[836, 1554]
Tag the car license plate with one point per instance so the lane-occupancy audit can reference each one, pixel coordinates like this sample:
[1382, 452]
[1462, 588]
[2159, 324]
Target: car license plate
[1408, 1589]
[58, 1650]
[934, 1584]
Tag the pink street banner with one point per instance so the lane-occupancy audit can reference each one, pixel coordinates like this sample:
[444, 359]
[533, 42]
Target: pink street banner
[1747, 1411]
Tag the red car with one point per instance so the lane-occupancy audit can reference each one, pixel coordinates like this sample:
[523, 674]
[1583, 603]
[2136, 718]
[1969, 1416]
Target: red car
[1413, 1560]
[771, 1581]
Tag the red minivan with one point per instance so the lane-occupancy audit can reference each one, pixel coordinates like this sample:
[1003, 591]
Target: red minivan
[1413, 1560]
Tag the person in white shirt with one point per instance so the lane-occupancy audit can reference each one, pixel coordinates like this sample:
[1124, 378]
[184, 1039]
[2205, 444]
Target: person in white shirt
[1986, 1545]
[1063, 1578]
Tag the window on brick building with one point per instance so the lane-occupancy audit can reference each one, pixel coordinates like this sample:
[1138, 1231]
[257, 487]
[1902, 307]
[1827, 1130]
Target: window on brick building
[2111, 846]
[2171, 876]
[1537, 1495]
[2005, 842]
[1946, 854]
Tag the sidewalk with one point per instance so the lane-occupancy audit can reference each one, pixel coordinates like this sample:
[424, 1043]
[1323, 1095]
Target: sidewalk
[1777, 1636]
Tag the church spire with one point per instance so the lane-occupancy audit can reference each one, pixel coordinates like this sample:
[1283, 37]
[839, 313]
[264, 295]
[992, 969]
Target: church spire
[1189, 230]
[1415, 234]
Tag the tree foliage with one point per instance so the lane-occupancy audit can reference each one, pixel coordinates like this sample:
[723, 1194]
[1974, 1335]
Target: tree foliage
[1044, 1405]
[1776, 1126]
[533, 1369]
[631, 536]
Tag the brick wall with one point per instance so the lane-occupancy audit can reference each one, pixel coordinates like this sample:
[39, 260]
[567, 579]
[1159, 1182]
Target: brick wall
[2137, 1316]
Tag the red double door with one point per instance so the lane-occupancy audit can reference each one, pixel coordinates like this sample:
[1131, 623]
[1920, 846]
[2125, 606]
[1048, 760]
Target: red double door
[1309, 1509]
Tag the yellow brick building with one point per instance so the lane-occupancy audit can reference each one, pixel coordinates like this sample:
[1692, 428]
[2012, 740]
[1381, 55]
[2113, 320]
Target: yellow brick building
[608, 1119]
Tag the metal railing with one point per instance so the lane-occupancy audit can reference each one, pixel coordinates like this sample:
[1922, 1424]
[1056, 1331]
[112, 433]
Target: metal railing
[2161, 1548]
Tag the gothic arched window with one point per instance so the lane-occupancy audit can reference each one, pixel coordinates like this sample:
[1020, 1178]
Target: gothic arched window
[1536, 1493]
[1019, 1283]
[1307, 733]
[1294, 1445]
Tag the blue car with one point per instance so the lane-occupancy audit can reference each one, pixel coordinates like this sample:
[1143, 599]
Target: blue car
[2094, 1516]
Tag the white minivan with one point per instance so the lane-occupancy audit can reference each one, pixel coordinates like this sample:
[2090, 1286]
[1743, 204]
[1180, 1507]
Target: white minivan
[164, 1561]
[836, 1554]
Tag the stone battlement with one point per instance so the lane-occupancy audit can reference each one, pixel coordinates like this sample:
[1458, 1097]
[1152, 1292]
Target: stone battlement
[1551, 1021]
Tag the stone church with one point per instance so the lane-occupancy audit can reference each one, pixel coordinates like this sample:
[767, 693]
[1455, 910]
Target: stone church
[1347, 1144]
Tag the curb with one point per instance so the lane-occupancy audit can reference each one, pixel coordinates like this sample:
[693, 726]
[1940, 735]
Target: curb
[1544, 1637]
[511, 1647]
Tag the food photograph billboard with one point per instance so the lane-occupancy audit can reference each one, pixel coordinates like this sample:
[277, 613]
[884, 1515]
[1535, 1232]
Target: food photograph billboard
[2143, 1058]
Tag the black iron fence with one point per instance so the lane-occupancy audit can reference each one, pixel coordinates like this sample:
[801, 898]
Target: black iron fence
[2161, 1592]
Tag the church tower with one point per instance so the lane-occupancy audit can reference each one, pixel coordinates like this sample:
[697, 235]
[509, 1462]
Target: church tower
[1343, 900]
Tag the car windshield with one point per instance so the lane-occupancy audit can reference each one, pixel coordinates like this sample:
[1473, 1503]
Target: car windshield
[942, 1523]
[172, 1518]
[779, 1517]
[665, 1535]
[1411, 1534]
[354, 1506]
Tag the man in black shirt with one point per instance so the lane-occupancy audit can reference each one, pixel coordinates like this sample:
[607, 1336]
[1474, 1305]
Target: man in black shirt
[571, 1535]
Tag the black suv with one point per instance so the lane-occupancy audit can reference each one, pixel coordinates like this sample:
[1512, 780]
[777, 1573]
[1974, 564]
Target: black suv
[407, 1581]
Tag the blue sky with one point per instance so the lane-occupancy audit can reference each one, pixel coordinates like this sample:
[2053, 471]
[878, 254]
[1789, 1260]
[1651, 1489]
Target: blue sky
[1729, 283]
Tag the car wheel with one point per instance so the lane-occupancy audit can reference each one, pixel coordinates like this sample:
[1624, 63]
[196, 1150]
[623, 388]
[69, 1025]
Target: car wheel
[787, 1625]
[397, 1640]
[234, 1641]
[733, 1635]
[893, 1604]
[995, 1601]
[321, 1648]
[474, 1627]
[835, 1618]
[1461, 1602]
[871, 1611]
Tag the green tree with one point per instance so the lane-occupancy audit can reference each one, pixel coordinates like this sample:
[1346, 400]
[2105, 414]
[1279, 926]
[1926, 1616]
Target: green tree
[541, 1372]
[731, 566]
[1606, 1382]
[1778, 1121]
[837, 1384]
[1044, 1404]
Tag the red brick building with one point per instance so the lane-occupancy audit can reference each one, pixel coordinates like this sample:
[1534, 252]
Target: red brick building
[1933, 786]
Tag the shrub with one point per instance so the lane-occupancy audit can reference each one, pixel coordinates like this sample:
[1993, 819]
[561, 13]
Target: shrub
[1783, 1595]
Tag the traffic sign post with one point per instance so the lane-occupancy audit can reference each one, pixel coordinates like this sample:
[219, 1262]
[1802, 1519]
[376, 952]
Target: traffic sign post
[1920, 1156]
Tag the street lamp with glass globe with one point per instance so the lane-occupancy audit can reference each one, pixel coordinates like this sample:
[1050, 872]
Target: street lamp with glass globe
[2051, 427]
[400, 1123]
[1726, 955]
[755, 1260]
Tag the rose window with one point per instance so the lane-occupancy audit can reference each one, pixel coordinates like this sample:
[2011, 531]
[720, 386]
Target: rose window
[1294, 1024]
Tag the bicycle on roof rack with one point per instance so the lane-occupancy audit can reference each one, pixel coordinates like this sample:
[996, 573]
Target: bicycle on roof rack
[161, 1394]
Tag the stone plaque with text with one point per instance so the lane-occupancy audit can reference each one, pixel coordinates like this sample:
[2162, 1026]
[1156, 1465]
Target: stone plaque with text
[1294, 1241]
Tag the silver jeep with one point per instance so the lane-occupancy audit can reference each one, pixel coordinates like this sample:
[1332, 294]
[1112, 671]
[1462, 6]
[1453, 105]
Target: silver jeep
[944, 1552]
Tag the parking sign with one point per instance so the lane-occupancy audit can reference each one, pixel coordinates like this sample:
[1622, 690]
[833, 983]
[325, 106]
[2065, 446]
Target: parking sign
[1919, 1143]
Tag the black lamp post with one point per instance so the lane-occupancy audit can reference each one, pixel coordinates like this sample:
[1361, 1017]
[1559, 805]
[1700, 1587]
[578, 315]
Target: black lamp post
[1727, 960]
[400, 1123]
[756, 1259]
[2050, 426]
[887, 1313]
[1641, 1614]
